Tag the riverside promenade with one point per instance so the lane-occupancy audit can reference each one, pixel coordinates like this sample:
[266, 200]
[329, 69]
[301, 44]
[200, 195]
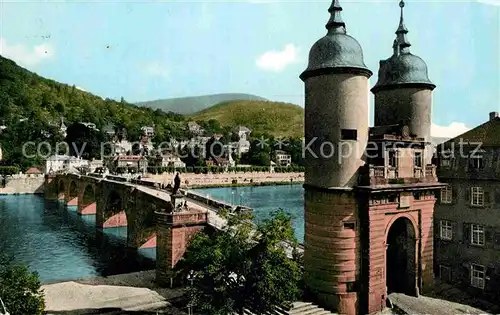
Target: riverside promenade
[192, 180]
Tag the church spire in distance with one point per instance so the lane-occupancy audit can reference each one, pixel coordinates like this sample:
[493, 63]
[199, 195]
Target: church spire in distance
[335, 25]
[403, 42]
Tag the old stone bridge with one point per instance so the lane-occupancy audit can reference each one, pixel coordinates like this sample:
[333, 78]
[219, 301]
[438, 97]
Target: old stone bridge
[117, 202]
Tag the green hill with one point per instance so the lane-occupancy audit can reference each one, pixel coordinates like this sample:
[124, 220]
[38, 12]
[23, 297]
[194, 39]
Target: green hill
[30, 104]
[194, 104]
[278, 119]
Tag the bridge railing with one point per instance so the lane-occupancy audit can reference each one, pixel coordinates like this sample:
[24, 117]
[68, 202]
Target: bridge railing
[146, 183]
[95, 175]
[117, 178]
[207, 200]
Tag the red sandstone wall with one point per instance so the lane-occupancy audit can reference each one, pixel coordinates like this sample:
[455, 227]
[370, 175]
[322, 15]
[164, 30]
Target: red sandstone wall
[151, 242]
[381, 216]
[73, 202]
[332, 253]
[181, 236]
[88, 209]
[118, 220]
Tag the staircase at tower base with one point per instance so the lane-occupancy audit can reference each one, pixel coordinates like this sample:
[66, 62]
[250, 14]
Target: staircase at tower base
[298, 308]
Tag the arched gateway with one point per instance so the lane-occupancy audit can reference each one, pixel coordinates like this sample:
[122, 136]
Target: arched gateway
[401, 257]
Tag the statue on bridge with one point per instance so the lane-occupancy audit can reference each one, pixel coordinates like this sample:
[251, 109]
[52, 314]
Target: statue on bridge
[177, 184]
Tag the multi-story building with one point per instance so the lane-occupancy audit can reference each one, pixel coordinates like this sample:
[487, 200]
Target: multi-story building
[195, 129]
[283, 159]
[148, 131]
[467, 220]
[58, 163]
[130, 163]
[167, 159]
[369, 192]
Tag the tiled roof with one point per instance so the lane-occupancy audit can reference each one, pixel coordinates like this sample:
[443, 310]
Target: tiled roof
[488, 134]
[129, 158]
[33, 170]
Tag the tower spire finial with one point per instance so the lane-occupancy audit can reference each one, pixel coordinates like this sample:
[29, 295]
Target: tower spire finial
[403, 42]
[335, 24]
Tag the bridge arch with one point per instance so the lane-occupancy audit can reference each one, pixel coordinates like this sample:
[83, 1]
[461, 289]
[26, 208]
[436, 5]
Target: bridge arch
[72, 197]
[88, 194]
[87, 202]
[61, 189]
[114, 214]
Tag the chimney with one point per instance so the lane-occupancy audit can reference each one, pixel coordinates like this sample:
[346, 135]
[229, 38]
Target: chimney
[493, 115]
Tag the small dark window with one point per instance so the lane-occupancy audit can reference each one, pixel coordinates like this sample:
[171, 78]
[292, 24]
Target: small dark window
[418, 159]
[351, 286]
[349, 225]
[476, 161]
[417, 196]
[349, 134]
[393, 198]
[393, 159]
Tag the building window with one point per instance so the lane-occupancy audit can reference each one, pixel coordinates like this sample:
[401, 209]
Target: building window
[417, 196]
[446, 230]
[418, 159]
[477, 276]
[445, 273]
[349, 134]
[393, 158]
[392, 198]
[349, 225]
[477, 234]
[446, 194]
[446, 162]
[476, 161]
[477, 196]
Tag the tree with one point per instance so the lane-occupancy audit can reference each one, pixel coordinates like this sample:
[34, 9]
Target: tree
[244, 266]
[20, 289]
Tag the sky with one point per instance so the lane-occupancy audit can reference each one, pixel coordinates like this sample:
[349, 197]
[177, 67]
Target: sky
[147, 50]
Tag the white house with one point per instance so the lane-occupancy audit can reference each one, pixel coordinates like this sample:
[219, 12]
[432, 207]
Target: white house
[169, 159]
[148, 131]
[283, 158]
[194, 128]
[243, 132]
[122, 147]
[58, 163]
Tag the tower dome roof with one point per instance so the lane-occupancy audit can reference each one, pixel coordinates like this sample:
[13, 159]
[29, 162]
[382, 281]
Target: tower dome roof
[402, 68]
[336, 51]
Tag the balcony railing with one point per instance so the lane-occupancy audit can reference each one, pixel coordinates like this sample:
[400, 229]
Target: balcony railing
[385, 175]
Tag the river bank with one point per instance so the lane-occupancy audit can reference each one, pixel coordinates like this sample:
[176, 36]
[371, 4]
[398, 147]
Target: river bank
[23, 185]
[191, 180]
[135, 291]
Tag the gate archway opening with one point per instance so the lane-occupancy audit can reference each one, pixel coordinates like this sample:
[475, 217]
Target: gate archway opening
[401, 267]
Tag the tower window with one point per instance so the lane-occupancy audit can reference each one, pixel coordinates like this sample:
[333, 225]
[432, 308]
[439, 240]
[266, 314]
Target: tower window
[418, 159]
[393, 159]
[349, 225]
[349, 134]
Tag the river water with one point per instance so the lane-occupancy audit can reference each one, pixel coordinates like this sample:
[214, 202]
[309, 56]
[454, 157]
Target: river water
[264, 199]
[61, 245]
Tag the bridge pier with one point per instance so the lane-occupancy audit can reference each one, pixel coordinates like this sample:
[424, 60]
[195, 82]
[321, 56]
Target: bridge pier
[50, 188]
[87, 209]
[174, 232]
